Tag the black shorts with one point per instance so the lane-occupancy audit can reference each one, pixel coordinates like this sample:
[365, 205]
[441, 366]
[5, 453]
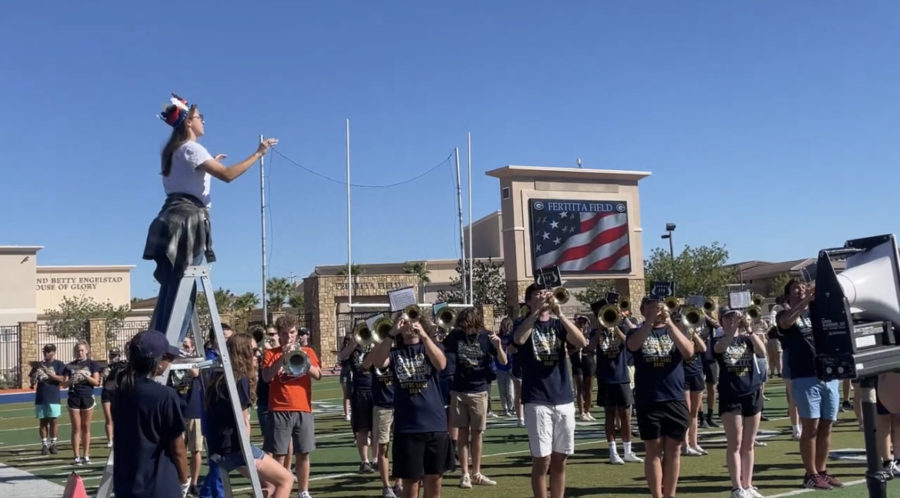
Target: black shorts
[711, 372]
[586, 366]
[694, 384]
[663, 419]
[749, 404]
[106, 396]
[80, 402]
[361, 407]
[614, 395]
[417, 455]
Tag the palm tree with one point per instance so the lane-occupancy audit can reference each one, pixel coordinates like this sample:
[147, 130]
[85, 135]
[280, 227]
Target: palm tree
[246, 301]
[225, 300]
[278, 289]
[355, 268]
[419, 269]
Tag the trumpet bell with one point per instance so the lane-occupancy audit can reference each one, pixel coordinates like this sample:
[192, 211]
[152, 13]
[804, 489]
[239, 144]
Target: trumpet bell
[296, 362]
[758, 299]
[671, 303]
[709, 306]
[560, 295]
[412, 313]
[383, 327]
[624, 305]
[754, 312]
[445, 318]
[692, 317]
[608, 316]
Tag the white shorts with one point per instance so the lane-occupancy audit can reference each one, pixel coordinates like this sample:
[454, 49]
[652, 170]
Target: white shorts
[551, 429]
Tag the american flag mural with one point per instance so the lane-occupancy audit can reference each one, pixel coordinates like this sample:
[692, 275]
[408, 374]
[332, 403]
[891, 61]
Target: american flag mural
[580, 236]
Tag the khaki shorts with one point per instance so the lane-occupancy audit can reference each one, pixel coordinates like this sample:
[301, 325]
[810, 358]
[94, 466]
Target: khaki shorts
[382, 420]
[193, 435]
[469, 410]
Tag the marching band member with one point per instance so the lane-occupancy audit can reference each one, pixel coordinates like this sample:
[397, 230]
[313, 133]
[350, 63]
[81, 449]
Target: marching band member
[584, 368]
[361, 402]
[45, 380]
[382, 423]
[149, 457]
[108, 376]
[816, 400]
[547, 390]
[471, 351]
[290, 400]
[740, 398]
[189, 386]
[346, 381]
[658, 348]
[421, 444]
[693, 394]
[223, 438]
[614, 389]
[504, 371]
[709, 331]
[82, 376]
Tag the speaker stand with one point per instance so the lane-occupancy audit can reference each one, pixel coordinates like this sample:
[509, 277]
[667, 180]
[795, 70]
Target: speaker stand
[876, 476]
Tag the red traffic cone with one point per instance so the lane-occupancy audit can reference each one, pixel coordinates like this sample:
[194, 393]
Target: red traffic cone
[75, 487]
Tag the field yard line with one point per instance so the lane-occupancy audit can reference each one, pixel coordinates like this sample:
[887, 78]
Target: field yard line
[319, 478]
[28, 445]
[801, 491]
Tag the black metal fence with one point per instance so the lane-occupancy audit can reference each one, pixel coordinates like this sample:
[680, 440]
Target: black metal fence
[10, 374]
[118, 337]
[65, 346]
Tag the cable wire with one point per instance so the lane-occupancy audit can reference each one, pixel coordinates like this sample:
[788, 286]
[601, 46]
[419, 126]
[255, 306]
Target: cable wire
[359, 185]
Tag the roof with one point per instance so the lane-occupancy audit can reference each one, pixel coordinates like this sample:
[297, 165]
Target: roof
[20, 249]
[754, 270]
[555, 172]
[391, 268]
[46, 268]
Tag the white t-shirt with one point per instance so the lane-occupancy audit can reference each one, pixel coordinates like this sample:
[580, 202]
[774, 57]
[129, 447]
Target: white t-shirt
[186, 177]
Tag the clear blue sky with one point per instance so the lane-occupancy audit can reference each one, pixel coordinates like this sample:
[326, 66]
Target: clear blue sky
[768, 126]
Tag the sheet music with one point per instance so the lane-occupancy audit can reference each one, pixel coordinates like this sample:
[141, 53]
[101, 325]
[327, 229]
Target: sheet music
[401, 298]
[739, 300]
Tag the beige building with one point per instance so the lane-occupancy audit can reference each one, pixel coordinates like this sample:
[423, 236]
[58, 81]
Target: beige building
[29, 290]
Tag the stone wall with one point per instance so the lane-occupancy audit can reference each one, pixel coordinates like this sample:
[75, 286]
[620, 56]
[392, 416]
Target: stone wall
[29, 350]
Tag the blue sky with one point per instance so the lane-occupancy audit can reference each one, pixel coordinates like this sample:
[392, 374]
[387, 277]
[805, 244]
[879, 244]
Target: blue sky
[768, 126]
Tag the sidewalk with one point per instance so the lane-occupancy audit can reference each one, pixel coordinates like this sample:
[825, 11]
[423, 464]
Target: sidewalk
[21, 484]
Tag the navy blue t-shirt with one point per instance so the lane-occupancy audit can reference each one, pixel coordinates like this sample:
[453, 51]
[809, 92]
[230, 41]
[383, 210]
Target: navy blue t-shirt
[693, 366]
[612, 358]
[383, 387]
[362, 379]
[262, 390]
[189, 390]
[222, 436]
[47, 391]
[739, 374]
[471, 354]
[798, 345]
[81, 389]
[546, 378]
[147, 419]
[658, 374]
[505, 341]
[418, 404]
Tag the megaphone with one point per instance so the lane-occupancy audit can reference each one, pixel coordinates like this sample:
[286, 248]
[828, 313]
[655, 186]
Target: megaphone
[855, 312]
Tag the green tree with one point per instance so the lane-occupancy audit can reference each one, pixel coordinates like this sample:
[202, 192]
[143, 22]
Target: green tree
[70, 318]
[225, 300]
[489, 286]
[296, 299]
[595, 291]
[696, 270]
[355, 268]
[419, 269]
[776, 288]
[245, 302]
[279, 290]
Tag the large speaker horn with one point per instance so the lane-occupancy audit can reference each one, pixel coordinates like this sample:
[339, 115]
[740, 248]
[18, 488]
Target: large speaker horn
[871, 283]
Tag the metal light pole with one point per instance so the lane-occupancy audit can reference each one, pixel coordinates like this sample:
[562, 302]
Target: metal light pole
[670, 227]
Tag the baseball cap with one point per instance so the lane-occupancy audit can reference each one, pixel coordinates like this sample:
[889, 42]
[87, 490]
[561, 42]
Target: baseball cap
[152, 344]
[49, 348]
[725, 311]
[303, 331]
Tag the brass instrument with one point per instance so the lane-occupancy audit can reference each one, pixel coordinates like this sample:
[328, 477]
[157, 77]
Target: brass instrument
[624, 305]
[383, 327]
[758, 300]
[608, 316]
[412, 313]
[692, 317]
[709, 306]
[559, 297]
[671, 303]
[754, 312]
[365, 337]
[39, 373]
[295, 361]
[445, 318]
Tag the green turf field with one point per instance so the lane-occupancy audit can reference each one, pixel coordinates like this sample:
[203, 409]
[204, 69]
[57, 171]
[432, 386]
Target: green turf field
[506, 459]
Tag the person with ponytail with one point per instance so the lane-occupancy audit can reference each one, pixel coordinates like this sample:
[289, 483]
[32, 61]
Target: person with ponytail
[223, 440]
[180, 235]
[149, 457]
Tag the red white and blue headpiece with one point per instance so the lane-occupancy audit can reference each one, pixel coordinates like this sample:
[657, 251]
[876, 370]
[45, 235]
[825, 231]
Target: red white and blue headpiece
[175, 111]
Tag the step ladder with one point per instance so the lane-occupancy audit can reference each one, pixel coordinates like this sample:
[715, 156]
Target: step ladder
[194, 275]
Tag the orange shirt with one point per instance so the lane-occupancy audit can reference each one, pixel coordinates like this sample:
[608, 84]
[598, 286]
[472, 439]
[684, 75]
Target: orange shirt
[287, 393]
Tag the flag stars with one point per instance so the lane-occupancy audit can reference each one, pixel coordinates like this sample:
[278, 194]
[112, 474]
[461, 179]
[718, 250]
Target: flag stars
[554, 224]
[546, 236]
[563, 214]
[557, 240]
[538, 248]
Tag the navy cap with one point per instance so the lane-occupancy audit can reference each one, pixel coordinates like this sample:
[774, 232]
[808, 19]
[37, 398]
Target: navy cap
[152, 344]
[725, 311]
[303, 331]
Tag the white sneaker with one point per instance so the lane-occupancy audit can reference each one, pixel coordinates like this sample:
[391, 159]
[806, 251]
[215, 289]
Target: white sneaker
[688, 451]
[347, 417]
[632, 458]
[482, 480]
[753, 492]
[86, 460]
[465, 482]
[305, 494]
[521, 422]
[76, 461]
[590, 417]
[109, 444]
[700, 450]
[615, 459]
[739, 493]
[584, 417]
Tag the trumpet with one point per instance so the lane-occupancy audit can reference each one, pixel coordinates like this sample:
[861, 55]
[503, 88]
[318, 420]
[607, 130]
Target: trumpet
[671, 303]
[295, 361]
[445, 318]
[364, 336]
[624, 305]
[709, 306]
[39, 374]
[608, 316]
[383, 327]
[412, 313]
[559, 297]
[758, 300]
[692, 317]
